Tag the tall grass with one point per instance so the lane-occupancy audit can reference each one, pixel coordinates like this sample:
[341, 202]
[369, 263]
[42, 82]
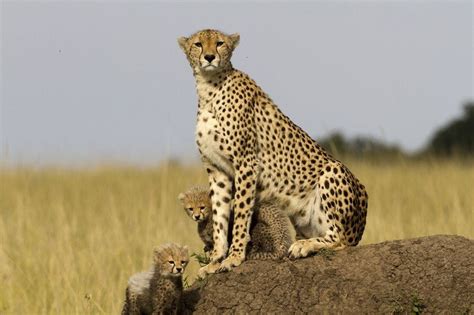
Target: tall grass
[69, 239]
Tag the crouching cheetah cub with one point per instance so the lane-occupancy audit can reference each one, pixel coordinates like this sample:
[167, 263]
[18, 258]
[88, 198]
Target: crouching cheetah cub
[269, 231]
[158, 290]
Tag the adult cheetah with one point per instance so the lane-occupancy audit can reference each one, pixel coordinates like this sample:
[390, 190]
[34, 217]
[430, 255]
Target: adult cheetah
[251, 151]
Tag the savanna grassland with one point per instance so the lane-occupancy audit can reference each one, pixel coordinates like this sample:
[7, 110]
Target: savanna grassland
[70, 238]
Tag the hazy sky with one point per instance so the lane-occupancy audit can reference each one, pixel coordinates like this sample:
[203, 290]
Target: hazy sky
[88, 81]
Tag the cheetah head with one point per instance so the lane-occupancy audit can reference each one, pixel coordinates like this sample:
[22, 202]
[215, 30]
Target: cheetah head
[197, 203]
[171, 259]
[209, 51]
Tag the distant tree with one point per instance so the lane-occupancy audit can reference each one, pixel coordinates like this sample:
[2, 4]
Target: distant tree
[457, 137]
[335, 143]
[359, 146]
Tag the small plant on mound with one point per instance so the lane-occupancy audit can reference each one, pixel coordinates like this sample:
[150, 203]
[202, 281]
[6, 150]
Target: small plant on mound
[417, 305]
[202, 258]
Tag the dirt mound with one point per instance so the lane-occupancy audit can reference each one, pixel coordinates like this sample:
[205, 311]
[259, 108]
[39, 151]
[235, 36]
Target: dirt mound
[429, 274]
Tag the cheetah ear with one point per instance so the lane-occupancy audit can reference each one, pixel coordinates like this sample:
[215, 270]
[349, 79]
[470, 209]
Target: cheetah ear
[156, 253]
[181, 197]
[183, 43]
[235, 38]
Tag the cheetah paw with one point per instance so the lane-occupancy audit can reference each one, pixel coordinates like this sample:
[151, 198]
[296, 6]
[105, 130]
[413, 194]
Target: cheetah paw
[230, 262]
[212, 267]
[301, 248]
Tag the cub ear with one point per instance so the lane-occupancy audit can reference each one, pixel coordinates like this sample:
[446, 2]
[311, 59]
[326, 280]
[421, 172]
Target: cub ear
[183, 43]
[181, 197]
[235, 38]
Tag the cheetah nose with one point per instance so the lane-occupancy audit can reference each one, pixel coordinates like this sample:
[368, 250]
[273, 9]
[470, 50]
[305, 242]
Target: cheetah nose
[197, 217]
[179, 269]
[209, 58]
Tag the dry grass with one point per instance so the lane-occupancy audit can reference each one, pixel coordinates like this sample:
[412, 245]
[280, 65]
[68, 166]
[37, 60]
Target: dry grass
[69, 239]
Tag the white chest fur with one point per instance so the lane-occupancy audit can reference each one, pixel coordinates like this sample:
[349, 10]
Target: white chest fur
[208, 138]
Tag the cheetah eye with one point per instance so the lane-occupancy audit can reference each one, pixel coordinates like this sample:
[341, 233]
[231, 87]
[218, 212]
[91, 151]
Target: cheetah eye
[202, 208]
[183, 262]
[171, 262]
[190, 209]
[219, 43]
[198, 44]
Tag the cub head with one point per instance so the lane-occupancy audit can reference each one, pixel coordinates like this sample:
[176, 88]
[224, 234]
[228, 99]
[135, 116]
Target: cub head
[171, 259]
[209, 51]
[196, 203]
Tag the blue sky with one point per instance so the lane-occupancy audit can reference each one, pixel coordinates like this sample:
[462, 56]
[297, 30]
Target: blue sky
[90, 81]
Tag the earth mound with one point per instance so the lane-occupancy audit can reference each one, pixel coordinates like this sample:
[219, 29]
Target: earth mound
[429, 274]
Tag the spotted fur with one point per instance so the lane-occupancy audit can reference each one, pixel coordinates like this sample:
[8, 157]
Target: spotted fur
[269, 232]
[158, 290]
[252, 151]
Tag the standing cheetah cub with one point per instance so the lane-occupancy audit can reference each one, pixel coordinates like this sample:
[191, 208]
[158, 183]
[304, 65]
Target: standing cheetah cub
[158, 290]
[270, 230]
[197, 203]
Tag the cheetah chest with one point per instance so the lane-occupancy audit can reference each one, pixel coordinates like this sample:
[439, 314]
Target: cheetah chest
[209, 140]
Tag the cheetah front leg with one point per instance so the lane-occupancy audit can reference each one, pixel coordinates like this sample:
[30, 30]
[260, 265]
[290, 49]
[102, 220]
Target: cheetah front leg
[221, 193]
[164, 303]
[245, 183]
[130, 306]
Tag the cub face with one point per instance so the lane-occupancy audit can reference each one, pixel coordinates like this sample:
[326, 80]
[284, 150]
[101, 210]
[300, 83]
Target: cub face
[197, 204]
[209, 50]
[171, 259]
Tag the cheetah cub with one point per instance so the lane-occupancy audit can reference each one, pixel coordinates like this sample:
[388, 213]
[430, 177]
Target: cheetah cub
[270, 229]
[158, 290]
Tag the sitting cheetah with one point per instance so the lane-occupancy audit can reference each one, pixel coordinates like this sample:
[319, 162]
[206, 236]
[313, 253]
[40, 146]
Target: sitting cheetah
[158, 290]
[252, 151]
[269, 232]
